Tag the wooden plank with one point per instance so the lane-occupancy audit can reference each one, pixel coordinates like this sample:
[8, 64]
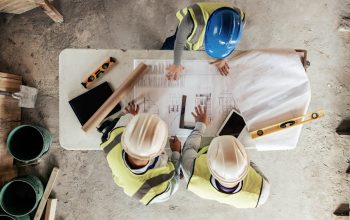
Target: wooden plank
[50, 209]
[5, 129]
[9, 85]
[48, 189]
[22, 8]
[50, 10]
[10, 76]
[9, 110]
[16, 6]
[10, 117]
[6, 161]
[10, 82]
[4, 4]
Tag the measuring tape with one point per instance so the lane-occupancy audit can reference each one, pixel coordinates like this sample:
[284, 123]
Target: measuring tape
[287, 124]
[87, 81]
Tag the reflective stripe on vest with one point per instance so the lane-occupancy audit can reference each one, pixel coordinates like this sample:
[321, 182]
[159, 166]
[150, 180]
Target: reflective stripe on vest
[200, 184]
[143, 187]
[200, 13]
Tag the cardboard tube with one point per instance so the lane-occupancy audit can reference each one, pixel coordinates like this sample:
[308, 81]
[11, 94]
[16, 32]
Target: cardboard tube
[115, 98]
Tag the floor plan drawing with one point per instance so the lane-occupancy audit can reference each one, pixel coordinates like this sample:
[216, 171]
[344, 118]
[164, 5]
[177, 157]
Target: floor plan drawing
[200, 83]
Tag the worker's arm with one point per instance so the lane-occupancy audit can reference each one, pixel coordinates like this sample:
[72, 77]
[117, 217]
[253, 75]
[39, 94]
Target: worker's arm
[183, 31]
[265, 190]
[124, 120]
[131, 110]
[190, 149]
[192, 144]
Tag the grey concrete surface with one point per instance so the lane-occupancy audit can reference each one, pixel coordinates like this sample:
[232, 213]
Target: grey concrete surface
[307, 183]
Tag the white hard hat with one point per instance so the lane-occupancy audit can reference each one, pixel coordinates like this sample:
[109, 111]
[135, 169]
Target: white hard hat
[227, 159]
[145, 136]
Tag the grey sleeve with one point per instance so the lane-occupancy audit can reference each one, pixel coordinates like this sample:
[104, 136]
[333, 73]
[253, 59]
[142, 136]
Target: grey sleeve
[124, 120]
[191, 147]
[183, 31]
[175, 159]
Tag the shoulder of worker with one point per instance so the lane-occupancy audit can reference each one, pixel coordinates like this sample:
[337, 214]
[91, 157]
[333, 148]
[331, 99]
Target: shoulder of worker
[162, 160]
[124, 120]
[186, 23]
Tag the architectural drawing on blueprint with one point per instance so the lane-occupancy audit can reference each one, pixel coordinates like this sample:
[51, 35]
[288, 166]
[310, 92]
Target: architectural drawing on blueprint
[226, 102]
[200, 83]
[149, 106]
[205, 100]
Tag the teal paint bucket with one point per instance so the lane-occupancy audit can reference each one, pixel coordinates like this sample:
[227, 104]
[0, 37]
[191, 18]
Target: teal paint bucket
[21, 196]
[27, 143]
[9, 217]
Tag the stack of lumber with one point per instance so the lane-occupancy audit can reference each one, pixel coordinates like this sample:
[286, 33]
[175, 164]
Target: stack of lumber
[10, 117]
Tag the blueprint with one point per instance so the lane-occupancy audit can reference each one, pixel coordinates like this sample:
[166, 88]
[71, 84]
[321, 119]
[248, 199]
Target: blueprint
[265, 86]
[200, 83]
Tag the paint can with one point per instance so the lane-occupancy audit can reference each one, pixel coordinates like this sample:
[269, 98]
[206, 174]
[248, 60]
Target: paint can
[9, 217]
[28, 143]
[21, 195]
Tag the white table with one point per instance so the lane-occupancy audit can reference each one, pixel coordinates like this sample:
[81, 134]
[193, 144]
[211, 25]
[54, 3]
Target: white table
[74, 64]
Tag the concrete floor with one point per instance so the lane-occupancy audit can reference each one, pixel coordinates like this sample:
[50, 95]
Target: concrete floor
[307, 183]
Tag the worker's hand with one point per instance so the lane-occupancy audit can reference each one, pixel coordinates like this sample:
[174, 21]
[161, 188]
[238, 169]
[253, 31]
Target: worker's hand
[222, 66]
[200, 114]
[132, 108]
[175, 144]
[173, 71]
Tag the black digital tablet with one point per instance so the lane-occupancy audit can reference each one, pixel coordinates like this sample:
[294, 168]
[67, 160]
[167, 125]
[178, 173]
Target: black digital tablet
[233, 125]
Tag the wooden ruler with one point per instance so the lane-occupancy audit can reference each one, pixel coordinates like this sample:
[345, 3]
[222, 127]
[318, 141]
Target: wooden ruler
[287, 124]
[48, 189]
[115, 98]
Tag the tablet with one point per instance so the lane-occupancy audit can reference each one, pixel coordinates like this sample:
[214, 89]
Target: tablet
[232, 125]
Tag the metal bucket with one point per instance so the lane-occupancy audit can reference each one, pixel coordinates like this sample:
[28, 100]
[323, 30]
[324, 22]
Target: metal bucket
[27, 143]
[21, 196]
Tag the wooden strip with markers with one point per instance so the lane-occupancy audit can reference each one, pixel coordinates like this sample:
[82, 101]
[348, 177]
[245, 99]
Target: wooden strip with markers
[100, 71]
[287, 124]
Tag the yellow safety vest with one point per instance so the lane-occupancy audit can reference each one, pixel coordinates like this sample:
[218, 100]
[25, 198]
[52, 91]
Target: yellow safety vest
[200, 13]
[143, 187]
[200, 184]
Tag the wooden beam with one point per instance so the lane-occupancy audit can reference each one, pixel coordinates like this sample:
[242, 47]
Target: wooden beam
[16, 6]
[10, 117]
[10, 82]
[48, 189]
[50, 209]
[50, 10]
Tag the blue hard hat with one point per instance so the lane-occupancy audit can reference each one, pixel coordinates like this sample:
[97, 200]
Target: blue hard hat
[223, 32]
